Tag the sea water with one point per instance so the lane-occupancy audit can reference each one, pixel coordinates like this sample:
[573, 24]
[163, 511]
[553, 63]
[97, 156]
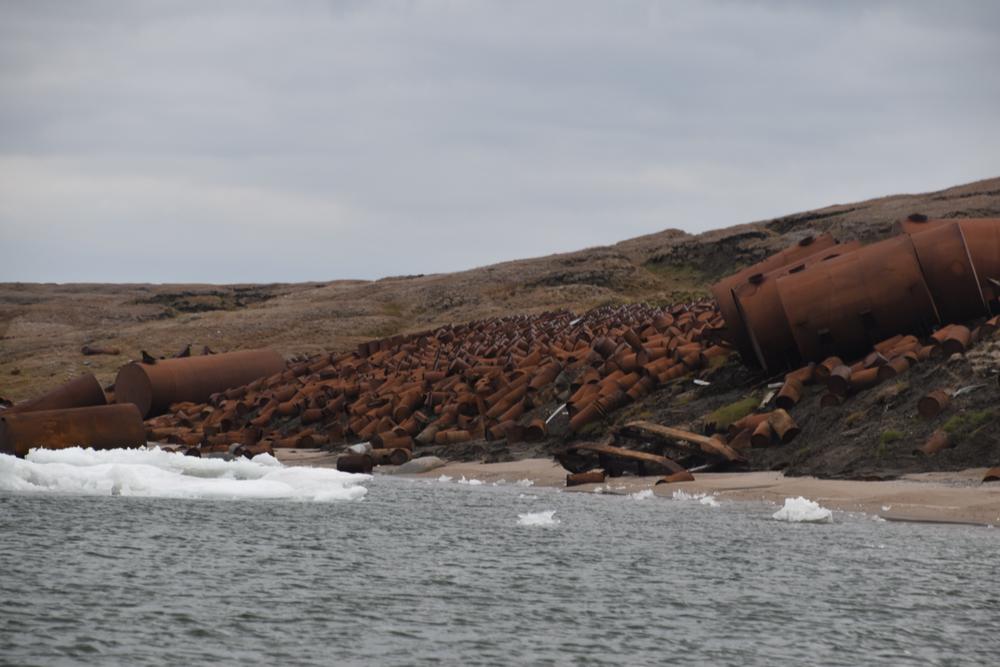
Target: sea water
[150, 559]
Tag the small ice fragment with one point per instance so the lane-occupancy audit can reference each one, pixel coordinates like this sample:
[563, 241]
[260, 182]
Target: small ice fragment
[545, 518]
[803, 510]
[444, 478]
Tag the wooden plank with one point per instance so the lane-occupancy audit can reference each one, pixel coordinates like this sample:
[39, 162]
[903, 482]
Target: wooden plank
[707, 445]
[611, 450]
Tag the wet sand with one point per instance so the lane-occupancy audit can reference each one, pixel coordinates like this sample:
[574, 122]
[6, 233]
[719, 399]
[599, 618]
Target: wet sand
[950, 497]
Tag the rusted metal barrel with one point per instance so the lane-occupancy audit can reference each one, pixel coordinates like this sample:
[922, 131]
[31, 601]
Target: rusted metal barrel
[153, 387]
[935, 443]
[81, 392]
[395, 456]
[100, 427]
[954, 339]
[355, 463]
[535, 430]
[762, 435]
[897, 366]
[590, 477]
[931, 405]
[839, 381]
[789, 394]
[783, 426]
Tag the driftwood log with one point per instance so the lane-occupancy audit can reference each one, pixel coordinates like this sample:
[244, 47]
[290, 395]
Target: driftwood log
[711, 448]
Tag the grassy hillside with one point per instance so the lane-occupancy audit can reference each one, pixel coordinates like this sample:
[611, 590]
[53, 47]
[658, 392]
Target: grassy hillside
[43, 326]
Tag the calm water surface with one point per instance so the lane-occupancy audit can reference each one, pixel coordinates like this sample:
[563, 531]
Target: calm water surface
[424, 572]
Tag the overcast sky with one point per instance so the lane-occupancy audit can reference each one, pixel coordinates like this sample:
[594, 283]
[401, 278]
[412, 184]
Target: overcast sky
[287, 141]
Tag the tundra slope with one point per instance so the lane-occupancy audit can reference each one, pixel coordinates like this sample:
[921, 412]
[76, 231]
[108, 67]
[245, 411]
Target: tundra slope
[44, 326]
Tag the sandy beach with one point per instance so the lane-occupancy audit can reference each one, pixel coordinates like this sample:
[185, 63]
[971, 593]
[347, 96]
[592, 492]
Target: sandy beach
[946, 497]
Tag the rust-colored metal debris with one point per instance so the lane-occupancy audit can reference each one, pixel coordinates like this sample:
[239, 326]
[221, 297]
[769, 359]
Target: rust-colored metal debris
[91, 350]
[154, 387]
[84, 391]
[99, 427]
[589, 477]
[841, 300]
[937, 441]
[931, 405]
[490, 379]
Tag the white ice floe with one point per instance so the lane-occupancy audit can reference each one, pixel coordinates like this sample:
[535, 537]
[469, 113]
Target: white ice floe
[470, 482]
[641, 495]
[702, 498]
[155, 473]
[546, 518]
[803, 510]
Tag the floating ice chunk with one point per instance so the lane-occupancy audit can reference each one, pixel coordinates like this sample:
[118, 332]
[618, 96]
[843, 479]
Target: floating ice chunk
[525, 482]
[444, 478]
[546, 518]
[702, 498]
[803, 510]
[641, 495]
[156, 473]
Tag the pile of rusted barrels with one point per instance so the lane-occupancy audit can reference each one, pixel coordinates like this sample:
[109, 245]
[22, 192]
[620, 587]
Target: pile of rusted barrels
[494, 379]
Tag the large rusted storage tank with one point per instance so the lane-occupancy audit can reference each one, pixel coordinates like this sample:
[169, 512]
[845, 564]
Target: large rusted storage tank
[100, 427]
[845, 305]
[982, 238]
[153, 387]
[77, 393]
[763, 315]
[736, 332]
[949, 271]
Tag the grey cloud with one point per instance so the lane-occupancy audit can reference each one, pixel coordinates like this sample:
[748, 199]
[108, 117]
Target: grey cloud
[268, 141]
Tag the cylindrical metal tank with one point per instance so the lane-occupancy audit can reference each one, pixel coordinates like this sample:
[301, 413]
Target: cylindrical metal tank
[78, 393]
[982, 238]
[949, 271]
[763, 315]
[736, 332]
[153, 387]
[100, 427]
[845, 305]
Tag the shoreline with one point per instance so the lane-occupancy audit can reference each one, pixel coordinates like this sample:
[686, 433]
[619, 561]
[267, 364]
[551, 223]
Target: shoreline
[940, 497]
